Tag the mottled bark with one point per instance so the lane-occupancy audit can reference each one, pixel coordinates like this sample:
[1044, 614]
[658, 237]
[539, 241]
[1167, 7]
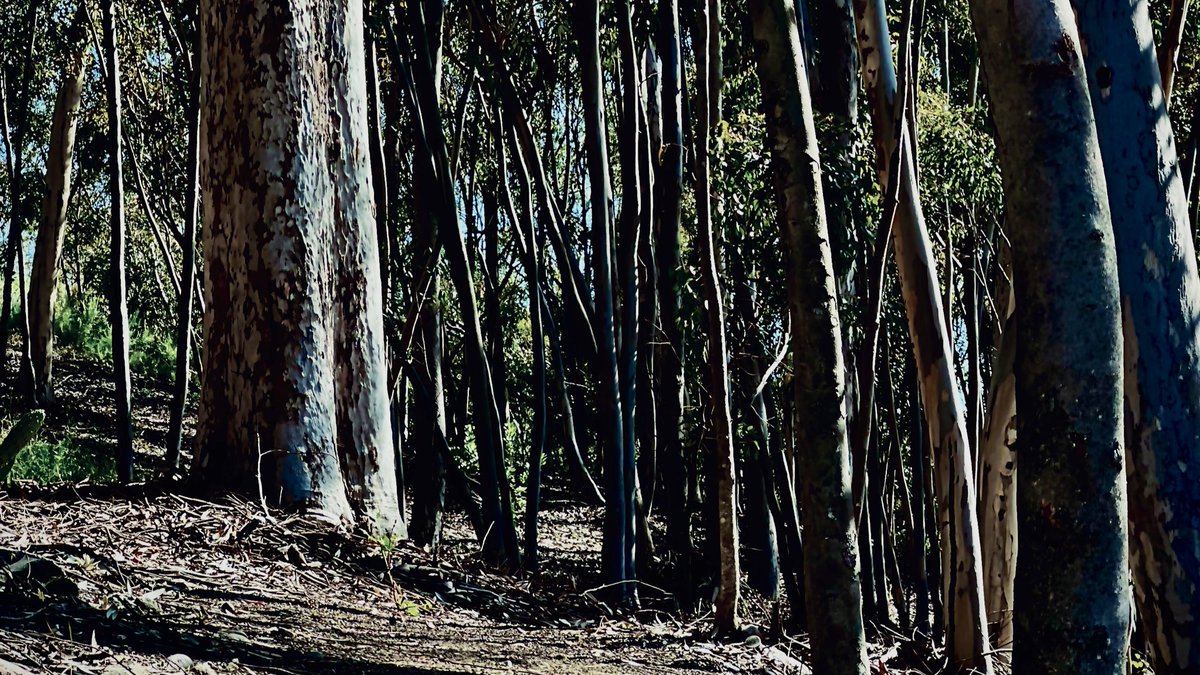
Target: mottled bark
[832, 591]
[963, 613]
[1160, 300]
[1072, 582]
[997, 476]
[43, 286]
[294, 392]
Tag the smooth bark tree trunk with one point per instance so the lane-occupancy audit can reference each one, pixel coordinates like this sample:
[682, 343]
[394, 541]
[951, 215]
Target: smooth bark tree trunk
[294, 397]
[1168, 49]
[669, 356]
[1160, 301]
[1072, 583]
[618, 545]
[963, 612]
[118, 308]
[183, 319]
[43, 286]
[997, 476]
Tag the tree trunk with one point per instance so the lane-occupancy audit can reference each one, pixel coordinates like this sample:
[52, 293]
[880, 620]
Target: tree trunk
[963, 614]
[1160, 299]
[43, 285]
[997, 478]
[118, 310]
[1072, 581]
[295, 394]
[183, 320]
[832, 591]
[1172, 40]
[618, 546]
[708, 105]
[669, 356]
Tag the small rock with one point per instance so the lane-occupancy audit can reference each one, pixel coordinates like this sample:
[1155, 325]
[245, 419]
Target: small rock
[182, 661]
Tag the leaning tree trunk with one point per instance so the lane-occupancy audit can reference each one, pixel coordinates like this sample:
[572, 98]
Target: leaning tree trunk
[52, 231]
[1160, 300]
[183, 317]
[997, 476]
[118, 309]
[1168, 50]
[294, 392]
[954, 473]
[1072, 583]
[832, 591]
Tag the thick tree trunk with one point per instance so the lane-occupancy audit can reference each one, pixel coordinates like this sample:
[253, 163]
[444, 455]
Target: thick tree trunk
[832, 591]
[963, 615]
[1072, 584]
[294, 395]
[43, 285]
[1160, 300]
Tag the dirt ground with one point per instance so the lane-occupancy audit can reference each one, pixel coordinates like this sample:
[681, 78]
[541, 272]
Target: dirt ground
[154, 579]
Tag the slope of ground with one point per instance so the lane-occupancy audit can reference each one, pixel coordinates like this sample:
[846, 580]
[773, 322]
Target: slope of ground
[154, 579]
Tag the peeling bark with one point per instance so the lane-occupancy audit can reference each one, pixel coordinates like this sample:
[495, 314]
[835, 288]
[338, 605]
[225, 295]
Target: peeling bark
[1160, 300]
[945, 416]
[294, 393]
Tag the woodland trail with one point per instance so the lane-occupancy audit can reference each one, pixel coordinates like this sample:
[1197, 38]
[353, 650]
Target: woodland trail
[152, 578]
[161, 581]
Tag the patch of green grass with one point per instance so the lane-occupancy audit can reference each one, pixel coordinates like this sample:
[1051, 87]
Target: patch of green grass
[85, 328]
[59, 461]
[64, 461]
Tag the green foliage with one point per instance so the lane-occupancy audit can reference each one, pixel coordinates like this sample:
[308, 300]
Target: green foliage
[46, 461]
[17, 438]
[84, 328]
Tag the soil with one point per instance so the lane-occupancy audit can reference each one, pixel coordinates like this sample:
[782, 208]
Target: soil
[152, 578]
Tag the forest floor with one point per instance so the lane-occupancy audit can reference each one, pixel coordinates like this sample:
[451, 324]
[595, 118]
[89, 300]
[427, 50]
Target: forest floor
[152, 578]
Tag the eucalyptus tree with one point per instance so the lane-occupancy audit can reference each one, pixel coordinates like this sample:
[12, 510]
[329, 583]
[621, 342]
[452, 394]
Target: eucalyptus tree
[619, 541]
[832, 592]
[118, 302]
[294, 398]
[43, 286]
[945, 417]
[1072, 605]
[1160, 301]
